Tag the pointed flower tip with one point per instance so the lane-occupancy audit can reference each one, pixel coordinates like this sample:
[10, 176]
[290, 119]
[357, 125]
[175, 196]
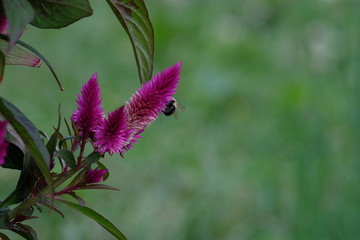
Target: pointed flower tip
[89, 113]
[94, 76]
[179, 64]
[3, 144]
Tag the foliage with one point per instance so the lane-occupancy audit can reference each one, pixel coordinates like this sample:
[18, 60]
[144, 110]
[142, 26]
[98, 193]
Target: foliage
[55, 166]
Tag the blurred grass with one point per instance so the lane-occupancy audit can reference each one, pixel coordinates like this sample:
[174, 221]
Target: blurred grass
[268, 147]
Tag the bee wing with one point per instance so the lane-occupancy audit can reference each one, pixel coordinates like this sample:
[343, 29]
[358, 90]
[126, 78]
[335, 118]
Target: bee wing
[175, 115]
[180, 107]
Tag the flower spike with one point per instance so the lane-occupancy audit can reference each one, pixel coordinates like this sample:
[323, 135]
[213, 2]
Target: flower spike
[147, 103]
[89, 113]
[112, 133]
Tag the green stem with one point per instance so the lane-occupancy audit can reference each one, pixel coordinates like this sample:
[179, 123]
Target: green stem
[33, 200]
[82, 148]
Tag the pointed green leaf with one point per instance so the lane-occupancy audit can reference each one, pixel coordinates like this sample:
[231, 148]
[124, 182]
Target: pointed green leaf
[39, 55]
[99, 186]
[4, 210]
[93, 157]
[17, 56]
[51, 144]
[30, 136]
[105, 223]
[62, 142]
[4, 217]
[134, 17]
[2, 65]
[102, 166]
[18, 13]
[4, 237]
[25, 231]
[14, 158]
[13, 137]
[33, 50]
[25, 184]
[77, 198]
[79, 178]
[52, 206]
[67, 156]
[58, 14]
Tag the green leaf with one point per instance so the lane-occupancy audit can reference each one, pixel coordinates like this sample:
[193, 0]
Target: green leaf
[25, 183]
[105, 223]
[99, 186]
[4, 210]
[18, 13]
[51, 144]
[79, 178]
[33, 50]
[102, 166]
[39, 55]
[30, 136]
[17, 56]
[4, 237]
[52, 206]
[77, 198]
[25, 231]
[134, 17]
[14, 158]
[4, 217]
[58, 14]
[93, 157]
[2, 65]
[13, 137]
[67, 156]
[62, 142]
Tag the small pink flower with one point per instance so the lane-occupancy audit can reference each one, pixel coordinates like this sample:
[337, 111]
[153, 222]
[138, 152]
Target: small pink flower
[112, 133]
[95, 175]
[3, 144]
[89, 113]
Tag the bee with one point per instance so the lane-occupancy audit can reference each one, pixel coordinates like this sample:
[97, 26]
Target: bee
[171, 108]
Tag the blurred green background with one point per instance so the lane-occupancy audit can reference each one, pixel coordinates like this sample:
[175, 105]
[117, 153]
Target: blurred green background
[268, 146]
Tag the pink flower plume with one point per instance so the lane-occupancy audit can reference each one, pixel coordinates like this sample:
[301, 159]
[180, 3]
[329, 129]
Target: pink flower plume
[146, 104]
[3, 144]
[112, 133]
[89, 113]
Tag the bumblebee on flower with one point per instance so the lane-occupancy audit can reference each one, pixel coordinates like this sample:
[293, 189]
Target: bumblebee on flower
[121, 128]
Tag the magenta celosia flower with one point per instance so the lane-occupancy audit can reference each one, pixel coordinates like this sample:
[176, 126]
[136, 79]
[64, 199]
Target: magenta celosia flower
[148, 102]
[112, 133]
[121, 129]
[3, 144]
[95, 175]
[89, 114]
